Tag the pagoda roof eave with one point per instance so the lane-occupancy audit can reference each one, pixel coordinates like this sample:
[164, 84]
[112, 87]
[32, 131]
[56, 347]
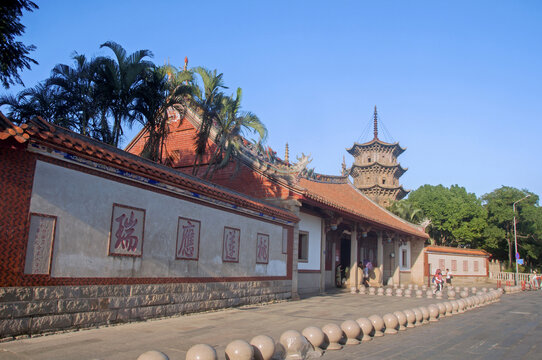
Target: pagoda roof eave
[377, 163]
[375, 141]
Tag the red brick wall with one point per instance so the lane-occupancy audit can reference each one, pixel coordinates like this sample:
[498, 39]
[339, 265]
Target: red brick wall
[180, 146]
[16, 177]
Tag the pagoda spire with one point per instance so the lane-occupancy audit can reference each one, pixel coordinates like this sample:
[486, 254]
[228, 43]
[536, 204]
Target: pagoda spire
[287, 154]
[375, 131]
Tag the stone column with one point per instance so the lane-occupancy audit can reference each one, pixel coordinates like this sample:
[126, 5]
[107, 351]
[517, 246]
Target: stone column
[380, 253]
[323, 257]
[354, 281]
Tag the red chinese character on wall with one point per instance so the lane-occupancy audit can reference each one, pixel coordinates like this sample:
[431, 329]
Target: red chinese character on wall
[262, 249]
[188, 239]
[127, 226]
[231, 245]
[125, 238]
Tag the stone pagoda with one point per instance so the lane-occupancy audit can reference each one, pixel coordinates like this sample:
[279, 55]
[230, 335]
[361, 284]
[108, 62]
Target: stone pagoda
[376, 171]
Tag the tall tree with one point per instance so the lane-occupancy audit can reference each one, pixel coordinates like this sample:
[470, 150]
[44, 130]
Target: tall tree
[457, 217]
[207, 97]
[163, 89]
[499, 234]
[233, 125]
[13, 54]
[117, 82]
[40, 100]
[76, 91]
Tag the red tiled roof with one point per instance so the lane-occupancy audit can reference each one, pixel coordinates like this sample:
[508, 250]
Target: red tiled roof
[42, 132]
[453, 250]
[347, 199]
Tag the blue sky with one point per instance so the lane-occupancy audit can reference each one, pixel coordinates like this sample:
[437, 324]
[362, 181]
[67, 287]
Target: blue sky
[458, 83]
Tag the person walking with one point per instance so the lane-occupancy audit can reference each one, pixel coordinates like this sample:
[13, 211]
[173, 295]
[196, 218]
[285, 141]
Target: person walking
[449, 278]
[438, 281]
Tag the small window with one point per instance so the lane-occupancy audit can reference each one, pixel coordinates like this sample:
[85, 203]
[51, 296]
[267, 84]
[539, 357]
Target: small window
[303, 247]
[465, 266]
[475, 266]
[368, 159]
[454, 265]
[441, 264]
[383, 181]
[404, 260]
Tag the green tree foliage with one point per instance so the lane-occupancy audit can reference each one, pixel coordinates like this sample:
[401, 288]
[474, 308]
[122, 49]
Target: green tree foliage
[13, 54]
[406, 210]
[499, 233]
[457, 217]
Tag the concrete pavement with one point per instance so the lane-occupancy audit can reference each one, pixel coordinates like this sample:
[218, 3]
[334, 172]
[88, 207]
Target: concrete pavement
[176, 335]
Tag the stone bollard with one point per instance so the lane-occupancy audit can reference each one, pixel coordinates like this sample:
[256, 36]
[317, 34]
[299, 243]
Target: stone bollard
[264, 346]
[451, 294]
[419, 294]
[466, 289]
[408, 293]
[410, 286]
[470, 302]
[429, 294]
[425, 313]
[438, 294]
[362, 290]
[457, 289]
[366, 328]
[153, 355]
[334, 334]
[372, 290]
[416, 287]
[419, 317]
[378, 325]
[239, 350]
[316, 337]
[401, 319]
[399, 292]
[202, 352]
[395, 286]
[352, 331]
[353, 290]
[411, 318]
[484, 289]
[441, 309]
[462, 304]
[464, 294]
[391, 323]
[389, 292]
[424, 287]
[380, 291]
[402, 286]
[473, 290]
[455, 306]
[295, 345]
[476, 301]
[433, 312]
[449, 308]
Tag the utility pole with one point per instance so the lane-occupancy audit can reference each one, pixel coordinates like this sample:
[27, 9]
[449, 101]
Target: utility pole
[516, 237]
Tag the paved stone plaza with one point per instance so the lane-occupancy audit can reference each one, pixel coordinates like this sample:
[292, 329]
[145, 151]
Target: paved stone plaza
[511, 328]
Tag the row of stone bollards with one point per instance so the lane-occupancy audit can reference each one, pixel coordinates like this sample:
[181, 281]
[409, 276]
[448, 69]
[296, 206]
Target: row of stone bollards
[313, 341]
[418, 292]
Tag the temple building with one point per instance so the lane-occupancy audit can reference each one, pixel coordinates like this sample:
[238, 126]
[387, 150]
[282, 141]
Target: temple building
[375, 171]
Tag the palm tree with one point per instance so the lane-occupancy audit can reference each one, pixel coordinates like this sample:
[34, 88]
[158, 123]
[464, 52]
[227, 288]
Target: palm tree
[233, 126]
[117, 81]
[77, 91]
[407, 211]
[37, 101]
[163, 88]
[208, 100]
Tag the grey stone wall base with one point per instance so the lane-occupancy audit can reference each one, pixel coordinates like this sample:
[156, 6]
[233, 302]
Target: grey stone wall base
[37, 310]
